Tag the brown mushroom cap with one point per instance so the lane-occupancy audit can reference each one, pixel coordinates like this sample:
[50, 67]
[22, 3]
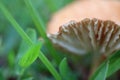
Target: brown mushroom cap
[88, 35]
[78, 10]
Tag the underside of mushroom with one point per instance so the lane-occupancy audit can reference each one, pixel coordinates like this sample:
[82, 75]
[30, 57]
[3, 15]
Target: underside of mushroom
[88, 35]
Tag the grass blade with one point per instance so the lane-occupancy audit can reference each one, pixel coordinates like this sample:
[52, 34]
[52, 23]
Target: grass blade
[49, 66]
[63, 67]
[15, 24]
[28, 40]
[37, 19]
[32, 34]
[101, 73]
[41, 29]
[30, 56]
[11, 59]
[23, 51]
[65, 71]
[114, 65]
[24, 46]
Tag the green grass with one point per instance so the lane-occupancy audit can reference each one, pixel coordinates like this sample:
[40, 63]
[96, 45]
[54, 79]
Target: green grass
[29, 41]
[40, 26]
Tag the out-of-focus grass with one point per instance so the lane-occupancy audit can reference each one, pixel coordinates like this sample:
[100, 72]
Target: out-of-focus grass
[40, 26]
[20, 12]
[10, 40]
[30, 55]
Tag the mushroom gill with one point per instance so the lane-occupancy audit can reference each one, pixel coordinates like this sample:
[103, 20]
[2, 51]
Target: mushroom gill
[88, 35]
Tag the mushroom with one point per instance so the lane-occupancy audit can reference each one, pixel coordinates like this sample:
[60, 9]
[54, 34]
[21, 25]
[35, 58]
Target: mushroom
[99, 37]
[88, 35]
[95, 28]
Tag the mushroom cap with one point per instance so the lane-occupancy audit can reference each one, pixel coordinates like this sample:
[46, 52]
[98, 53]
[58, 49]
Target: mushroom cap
[88, 35]
[78, 10]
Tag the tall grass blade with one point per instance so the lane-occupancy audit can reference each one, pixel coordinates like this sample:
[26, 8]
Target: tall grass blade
[37, 19]
[15, 24]
[41, 29]
[49, 66]
[26, 38]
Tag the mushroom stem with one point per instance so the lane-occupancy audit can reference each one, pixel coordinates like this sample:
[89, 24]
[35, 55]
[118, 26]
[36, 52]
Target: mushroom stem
[96, 61]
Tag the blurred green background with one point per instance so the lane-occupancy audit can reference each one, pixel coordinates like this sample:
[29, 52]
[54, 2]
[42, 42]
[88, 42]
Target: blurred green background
[10, 40]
